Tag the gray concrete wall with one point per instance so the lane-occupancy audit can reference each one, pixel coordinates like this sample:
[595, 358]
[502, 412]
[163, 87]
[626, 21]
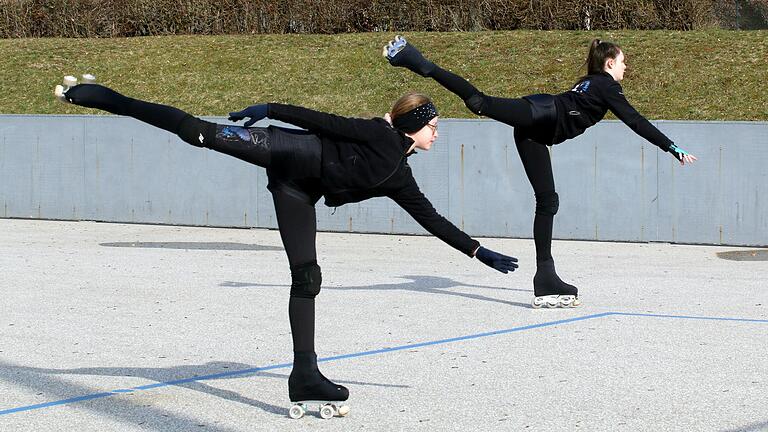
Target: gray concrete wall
[612, 184]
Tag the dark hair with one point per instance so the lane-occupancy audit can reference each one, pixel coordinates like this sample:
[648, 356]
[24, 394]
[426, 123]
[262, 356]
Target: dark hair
[599, 52]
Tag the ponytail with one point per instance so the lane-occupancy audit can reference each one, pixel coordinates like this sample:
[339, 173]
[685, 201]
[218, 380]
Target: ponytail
[599, 52]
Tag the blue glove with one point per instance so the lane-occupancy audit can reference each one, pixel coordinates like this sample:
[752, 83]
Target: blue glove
[496, 260]
[677, 152]
[254, 112]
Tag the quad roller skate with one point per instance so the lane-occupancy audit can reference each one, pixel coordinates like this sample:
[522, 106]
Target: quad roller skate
[326, 409]
[307, 386]
[69, 82]
[550, 291]
[400, 53]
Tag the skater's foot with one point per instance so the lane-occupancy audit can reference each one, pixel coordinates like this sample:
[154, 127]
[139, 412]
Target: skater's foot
[550, 291]
[60, 91]
[306, 383]
[400, 53]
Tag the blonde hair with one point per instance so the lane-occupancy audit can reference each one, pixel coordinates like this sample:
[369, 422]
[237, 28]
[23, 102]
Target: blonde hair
[406, 103]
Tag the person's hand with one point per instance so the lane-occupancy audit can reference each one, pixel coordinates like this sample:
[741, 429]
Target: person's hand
[681, 155]
[253, 112]
[496, 260]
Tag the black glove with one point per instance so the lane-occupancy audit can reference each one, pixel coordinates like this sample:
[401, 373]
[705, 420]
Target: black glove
[496, 260]
[254, 112]
[400, 53]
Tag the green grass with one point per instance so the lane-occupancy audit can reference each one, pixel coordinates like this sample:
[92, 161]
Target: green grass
[700, 75]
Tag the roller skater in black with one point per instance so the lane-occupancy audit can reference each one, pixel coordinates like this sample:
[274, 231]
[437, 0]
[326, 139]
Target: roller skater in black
[543, 120]
[343, 159]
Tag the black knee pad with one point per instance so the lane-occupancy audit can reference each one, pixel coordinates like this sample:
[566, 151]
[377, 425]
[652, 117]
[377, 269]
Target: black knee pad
[199, 133]
[306, 280]
[476, 103]
[547, 203]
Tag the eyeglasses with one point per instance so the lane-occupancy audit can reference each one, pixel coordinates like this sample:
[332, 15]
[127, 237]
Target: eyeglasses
[433, 127]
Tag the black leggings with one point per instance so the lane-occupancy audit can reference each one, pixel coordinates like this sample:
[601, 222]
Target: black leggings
[285, 160]
[534, 155]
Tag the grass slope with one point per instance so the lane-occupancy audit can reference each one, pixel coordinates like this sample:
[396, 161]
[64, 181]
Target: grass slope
[701, 75]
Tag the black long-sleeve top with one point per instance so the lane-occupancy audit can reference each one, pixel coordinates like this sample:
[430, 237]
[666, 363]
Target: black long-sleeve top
[589, 101]
[576, 110]
[366, 158]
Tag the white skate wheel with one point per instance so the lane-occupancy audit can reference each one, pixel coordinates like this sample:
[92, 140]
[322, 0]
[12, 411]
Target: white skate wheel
[296, 412]
[576, 302]
[343, 410]
[326, 411]
[552, 303]
[70, 81]
[537, 303]
[89, 79]
[59, 93]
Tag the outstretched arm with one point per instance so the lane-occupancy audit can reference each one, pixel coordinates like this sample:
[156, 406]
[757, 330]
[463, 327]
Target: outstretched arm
[314, 121]
[620, 106]
[418, 206]
[514, 112]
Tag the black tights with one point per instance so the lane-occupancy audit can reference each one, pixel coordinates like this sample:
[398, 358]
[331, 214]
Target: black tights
[295, 216]
[535, 156]
[298, 228]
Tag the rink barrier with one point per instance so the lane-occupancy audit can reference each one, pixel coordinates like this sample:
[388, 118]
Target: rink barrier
[613, 185]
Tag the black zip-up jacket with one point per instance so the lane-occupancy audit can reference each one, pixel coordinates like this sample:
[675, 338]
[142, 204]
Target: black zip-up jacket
[365, 158]
[589, 101]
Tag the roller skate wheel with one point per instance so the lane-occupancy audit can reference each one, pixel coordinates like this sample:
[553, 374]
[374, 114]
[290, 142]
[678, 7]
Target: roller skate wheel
[537, 303]
[89, 79]
[553, 303]
[395, 46]
[343, 410]
[70, 81]
[576, 302]
[326, 411]
[59, 93]
[296, 412]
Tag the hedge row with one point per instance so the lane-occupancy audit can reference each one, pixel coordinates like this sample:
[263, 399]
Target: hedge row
[116, 18]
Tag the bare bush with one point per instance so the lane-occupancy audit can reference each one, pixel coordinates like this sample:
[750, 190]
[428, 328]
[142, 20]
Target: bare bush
[112, 18]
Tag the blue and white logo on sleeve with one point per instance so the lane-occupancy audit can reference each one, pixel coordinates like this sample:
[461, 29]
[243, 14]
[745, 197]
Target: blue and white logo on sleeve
[582, 87]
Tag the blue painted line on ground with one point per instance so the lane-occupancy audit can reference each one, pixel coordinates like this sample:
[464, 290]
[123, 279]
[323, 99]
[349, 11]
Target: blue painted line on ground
[464, 338]
[288, 365]
[363, 354]
[689, 317]
[50, 404]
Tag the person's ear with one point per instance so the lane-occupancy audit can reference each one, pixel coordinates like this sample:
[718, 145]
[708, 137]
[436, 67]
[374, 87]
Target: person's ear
[610, 63]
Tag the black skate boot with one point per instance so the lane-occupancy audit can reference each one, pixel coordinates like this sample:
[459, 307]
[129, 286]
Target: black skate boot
[307, 385]
[400, 53]
[550, 291]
